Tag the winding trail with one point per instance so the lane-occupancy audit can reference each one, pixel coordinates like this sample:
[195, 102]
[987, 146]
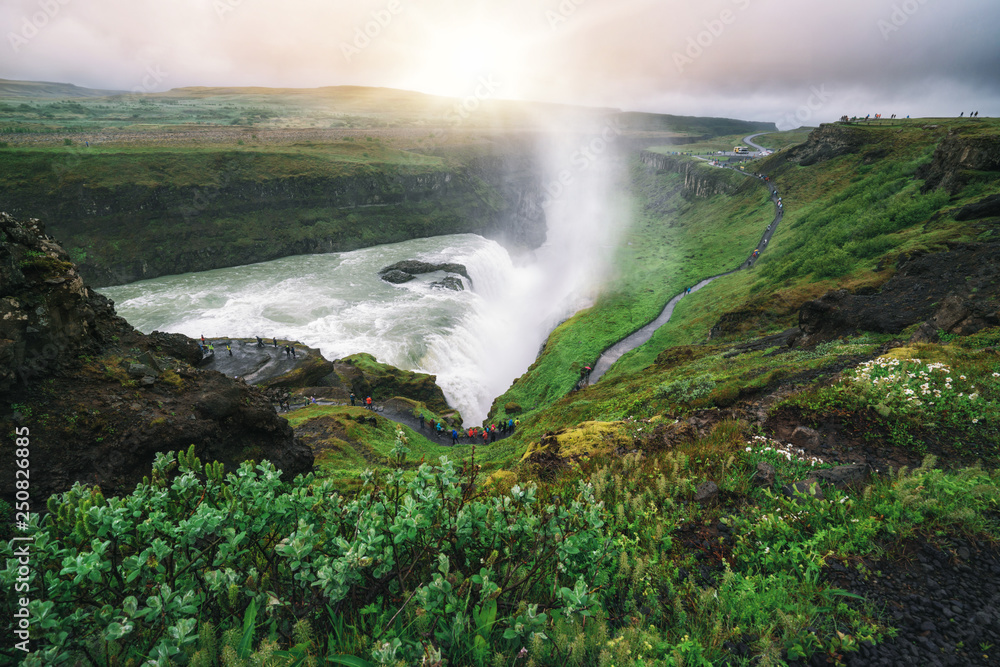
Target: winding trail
[642, 335]
[407, 419]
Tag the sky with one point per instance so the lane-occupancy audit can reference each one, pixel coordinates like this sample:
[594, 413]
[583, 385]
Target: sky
[792, 62]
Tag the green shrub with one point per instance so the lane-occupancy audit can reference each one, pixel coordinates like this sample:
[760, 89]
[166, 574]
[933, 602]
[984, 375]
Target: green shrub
[687, 389]
[138, 572]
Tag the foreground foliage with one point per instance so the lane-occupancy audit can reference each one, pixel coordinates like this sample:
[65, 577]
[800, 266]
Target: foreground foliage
[198, 567]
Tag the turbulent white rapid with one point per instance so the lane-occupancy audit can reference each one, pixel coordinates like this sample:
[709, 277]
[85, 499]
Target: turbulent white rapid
[337, 303]
[475, 341]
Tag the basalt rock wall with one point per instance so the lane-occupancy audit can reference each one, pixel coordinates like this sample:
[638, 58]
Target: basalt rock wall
[137, 230]
[700, 180]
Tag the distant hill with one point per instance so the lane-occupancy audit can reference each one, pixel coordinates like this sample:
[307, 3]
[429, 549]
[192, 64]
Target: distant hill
[47, 89]
[332, 103]
[634, 120]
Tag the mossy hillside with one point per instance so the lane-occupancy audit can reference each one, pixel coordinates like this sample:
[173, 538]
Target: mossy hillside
[675, 241]
[364, 375]
[349, 440]
[724, 143]
[896, 215]
[688, 379]
[846, 222]
[51, 168]
[772, 140]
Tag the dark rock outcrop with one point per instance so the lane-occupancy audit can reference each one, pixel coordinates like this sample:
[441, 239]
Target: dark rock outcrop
[706, 492]
[809, 488]
[828, 142]
[957, 157]
[803, 436]
[404, 271]
[99, 399]
[988, 207]
[395, 276]
[764, 475]
[956, 291]
[846, 476]
[449, 282]
[363, 375]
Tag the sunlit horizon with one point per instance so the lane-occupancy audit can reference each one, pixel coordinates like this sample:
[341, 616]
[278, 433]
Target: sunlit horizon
[750, 59]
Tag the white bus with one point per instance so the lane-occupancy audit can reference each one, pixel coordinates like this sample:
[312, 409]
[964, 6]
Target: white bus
[741, 149]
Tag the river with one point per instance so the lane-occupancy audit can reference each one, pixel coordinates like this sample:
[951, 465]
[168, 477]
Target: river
[475, 341]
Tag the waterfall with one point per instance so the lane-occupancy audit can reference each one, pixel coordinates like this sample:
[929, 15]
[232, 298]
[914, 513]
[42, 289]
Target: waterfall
[475, 341]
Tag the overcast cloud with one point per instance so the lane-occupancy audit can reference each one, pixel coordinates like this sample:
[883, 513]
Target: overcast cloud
[773, 60]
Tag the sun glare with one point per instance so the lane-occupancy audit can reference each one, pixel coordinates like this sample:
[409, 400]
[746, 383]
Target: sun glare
[455, 63]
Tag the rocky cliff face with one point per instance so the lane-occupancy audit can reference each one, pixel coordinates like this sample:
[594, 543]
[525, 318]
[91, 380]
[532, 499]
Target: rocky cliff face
[699, 180]
[954, 291]
[830, 141]
[957, 157]
[100, 399]
[139, 231]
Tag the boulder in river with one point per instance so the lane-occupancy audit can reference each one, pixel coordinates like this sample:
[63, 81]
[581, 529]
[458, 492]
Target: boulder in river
[395, 273]
[396, 277]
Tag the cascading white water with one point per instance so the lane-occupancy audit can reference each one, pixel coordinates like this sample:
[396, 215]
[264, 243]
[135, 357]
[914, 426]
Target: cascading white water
[476, 342]
[337, 303]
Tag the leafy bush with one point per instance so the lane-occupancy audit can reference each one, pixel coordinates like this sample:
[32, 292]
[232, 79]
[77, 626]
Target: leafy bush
[926, 391]
[912, 393]
[687, 389]
[134, 576]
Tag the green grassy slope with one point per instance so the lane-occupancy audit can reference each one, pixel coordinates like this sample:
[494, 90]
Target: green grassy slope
[847, 220]
[674, 242]
[52, 168]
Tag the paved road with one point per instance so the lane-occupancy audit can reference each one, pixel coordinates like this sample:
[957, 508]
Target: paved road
[634, 340]
[749, 141]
